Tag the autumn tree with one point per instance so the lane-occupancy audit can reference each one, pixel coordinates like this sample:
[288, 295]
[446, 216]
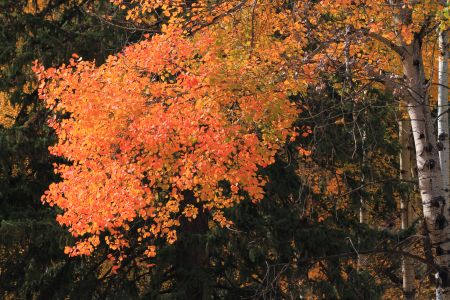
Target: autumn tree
[187, 130]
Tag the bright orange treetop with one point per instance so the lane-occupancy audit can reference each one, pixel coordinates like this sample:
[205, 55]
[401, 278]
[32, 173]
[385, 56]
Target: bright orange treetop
[166, 116]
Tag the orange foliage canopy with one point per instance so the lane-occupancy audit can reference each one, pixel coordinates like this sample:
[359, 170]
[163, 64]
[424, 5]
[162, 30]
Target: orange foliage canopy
[167, 115]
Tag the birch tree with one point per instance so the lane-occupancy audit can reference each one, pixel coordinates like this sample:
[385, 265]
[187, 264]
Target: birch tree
[391, 36]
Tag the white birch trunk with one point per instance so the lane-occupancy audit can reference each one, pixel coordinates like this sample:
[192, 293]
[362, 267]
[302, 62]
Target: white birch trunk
[363, 219]
[443, 130]
[363, 209]
[427, 157]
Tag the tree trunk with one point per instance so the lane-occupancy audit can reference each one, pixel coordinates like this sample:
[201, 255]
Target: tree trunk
[405, 206]
[442, 112]
[364, 207]
[363, 212]
[363, 219]
[427, 157]
[192, 256]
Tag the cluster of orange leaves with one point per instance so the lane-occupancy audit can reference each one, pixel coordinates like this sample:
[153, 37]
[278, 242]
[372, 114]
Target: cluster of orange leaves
[177, 12]
[167, 115]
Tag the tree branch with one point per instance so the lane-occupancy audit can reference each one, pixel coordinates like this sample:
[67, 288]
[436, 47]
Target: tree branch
[393, 46]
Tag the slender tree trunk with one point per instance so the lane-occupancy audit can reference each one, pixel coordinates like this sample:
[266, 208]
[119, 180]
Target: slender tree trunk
[443, 130]
[405, 206]
[363, 219]
[427, 156]
[363, 208]
[363, 211]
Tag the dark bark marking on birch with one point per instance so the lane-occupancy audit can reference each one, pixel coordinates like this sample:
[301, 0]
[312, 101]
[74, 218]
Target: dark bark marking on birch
[444, 280]
[436, 201]
[440, 222]
[430, 164]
